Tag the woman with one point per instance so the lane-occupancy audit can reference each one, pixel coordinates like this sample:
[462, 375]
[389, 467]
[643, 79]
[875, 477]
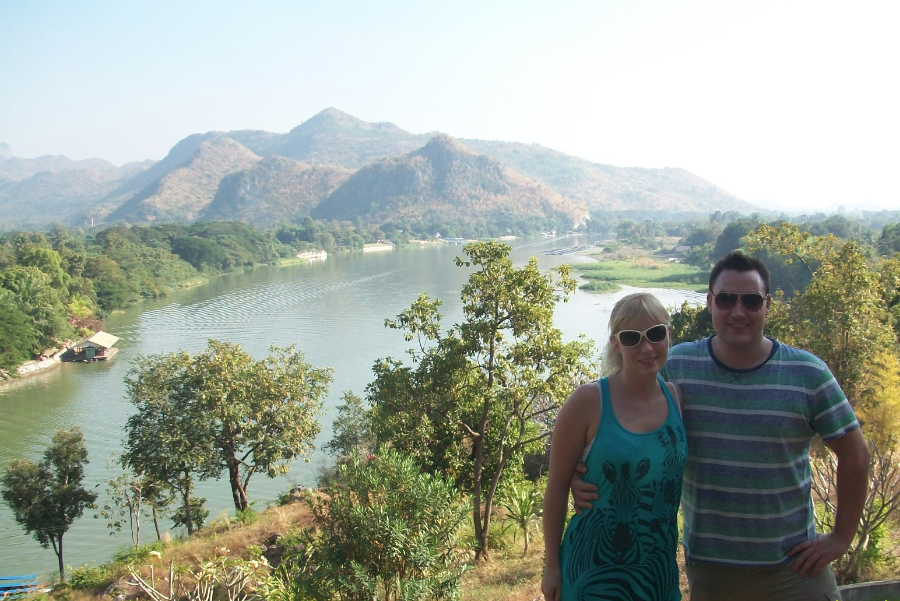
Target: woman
[627, 429]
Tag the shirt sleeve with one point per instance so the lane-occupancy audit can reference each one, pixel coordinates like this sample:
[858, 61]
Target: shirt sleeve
[831, 411]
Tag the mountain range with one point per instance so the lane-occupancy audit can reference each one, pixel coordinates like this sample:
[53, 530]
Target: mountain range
[335, 166]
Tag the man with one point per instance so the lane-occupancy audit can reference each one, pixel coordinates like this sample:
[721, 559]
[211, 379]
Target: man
[752, 407]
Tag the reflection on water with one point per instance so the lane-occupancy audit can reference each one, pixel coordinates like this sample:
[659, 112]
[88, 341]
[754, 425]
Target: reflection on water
[333, 310]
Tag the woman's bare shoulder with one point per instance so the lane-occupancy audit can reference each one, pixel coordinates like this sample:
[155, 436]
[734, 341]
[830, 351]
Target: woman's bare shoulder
[586, 395]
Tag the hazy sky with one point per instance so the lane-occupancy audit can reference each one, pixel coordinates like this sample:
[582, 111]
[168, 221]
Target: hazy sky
[794, 103]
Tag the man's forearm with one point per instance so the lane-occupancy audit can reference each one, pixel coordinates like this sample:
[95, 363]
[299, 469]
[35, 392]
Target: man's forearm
[852, 486]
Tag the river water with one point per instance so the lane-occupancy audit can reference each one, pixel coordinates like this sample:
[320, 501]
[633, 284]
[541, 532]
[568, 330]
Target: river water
[333, 310]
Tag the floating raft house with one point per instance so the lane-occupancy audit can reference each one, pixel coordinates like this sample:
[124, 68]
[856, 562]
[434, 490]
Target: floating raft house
[98, 347]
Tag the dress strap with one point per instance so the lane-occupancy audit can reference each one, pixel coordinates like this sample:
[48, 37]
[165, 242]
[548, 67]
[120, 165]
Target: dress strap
[673, 405]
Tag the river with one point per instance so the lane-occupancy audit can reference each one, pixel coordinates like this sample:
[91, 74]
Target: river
[333, 310]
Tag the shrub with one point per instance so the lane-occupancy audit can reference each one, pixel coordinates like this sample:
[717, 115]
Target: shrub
[387, 531]
[90, 577]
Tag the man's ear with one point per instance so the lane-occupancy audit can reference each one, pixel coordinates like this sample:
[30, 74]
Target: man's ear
[709, 302]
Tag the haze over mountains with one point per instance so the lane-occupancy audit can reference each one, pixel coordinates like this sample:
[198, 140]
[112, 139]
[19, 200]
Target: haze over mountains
[335, 166]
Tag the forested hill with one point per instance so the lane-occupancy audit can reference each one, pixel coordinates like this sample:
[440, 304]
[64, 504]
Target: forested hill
[203, 167]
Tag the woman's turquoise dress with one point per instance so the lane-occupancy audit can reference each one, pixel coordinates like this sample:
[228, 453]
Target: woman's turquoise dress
[624, 548]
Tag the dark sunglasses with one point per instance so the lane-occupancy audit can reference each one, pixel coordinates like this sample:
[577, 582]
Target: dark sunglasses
[655, 334]
[752, 301]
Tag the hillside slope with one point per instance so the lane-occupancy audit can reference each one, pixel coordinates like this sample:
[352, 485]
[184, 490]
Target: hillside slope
[181, 194]
[610, 188]
[273, 190]
[446, 182]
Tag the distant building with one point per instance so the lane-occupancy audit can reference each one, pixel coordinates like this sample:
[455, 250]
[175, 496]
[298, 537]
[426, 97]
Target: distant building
[98, 347]
[680, 250]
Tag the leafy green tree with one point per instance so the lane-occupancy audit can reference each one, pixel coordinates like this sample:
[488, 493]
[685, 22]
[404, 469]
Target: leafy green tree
[480, 396]
[165, 439]
[113, 289]
[352, 430]
[889, 240]
[47, 497]
[261, 415]
[129, 498]
[388, 531]
[37, 298]
[690, 323]
[841, 315]
[222, 410]
[18, 339]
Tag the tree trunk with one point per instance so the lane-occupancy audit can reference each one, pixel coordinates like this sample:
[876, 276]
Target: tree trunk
[156, 523]
[238, 494]
[188, 518]
[481, 538]
[59, 556]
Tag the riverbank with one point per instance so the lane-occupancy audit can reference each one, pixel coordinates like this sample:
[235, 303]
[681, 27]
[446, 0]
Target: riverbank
[609, 271]
[36, 366]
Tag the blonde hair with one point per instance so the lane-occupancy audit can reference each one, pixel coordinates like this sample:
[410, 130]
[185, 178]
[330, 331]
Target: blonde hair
[628, 309]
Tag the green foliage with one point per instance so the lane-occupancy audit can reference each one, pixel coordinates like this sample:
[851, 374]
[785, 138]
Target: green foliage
[193, 520]
[841, 315]
[222, 410]
[630, 231]
[523, 502]
[162, 438]
[135, 555]
[691, 322]
[130, 497]
[245, 517]
[388, 532]
[19, 341]
[889, 240]
[600, 286]
[91, 577]
[46, 498]
[218, 579]
[352, 430]
[479, 397]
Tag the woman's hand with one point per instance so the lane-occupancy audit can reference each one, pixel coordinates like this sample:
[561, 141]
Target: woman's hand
[551, 584]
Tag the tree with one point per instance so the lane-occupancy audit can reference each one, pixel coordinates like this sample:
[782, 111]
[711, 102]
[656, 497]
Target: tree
[165, 440]
[352, 430]
[261, 414]
[129, 497]
[840, 316]
[47, 497]
[480, 396]
[222, 410]
[690, 323]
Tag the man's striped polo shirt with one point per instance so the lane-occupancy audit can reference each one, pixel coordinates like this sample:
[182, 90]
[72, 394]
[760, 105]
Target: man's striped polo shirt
[746, 493]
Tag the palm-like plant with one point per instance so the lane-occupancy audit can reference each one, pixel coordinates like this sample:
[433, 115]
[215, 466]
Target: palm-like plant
[523, 503]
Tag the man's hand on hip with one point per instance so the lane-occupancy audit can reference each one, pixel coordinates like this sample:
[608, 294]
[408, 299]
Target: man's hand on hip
[812, 556]
[583, 493]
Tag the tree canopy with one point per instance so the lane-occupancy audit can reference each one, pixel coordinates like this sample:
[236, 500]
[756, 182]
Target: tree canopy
[479, 396]
[47, 497]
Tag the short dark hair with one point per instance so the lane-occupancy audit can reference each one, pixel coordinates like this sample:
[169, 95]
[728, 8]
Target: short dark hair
[738, 261]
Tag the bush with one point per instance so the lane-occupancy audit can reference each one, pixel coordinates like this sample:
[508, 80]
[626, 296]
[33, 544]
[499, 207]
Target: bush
[388, 531]
[132, 555]
[91, 578]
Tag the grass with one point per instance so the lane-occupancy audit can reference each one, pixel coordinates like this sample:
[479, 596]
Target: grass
[506, 577]
[640, 272]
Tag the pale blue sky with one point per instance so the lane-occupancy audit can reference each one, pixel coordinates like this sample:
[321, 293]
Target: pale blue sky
[795, 103]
